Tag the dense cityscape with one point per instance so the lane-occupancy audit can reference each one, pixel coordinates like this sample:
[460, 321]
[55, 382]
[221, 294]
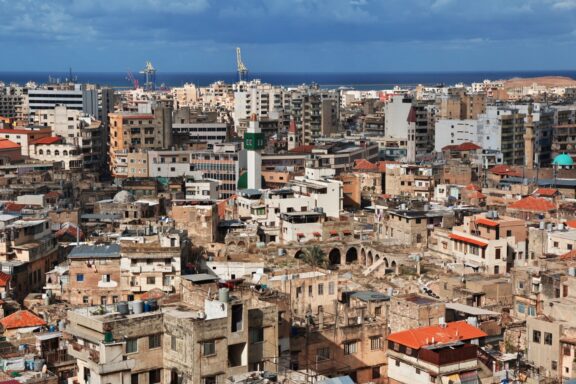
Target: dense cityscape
[287, 191]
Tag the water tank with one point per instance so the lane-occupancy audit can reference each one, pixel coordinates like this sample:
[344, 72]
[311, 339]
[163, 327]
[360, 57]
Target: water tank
[137, 307]
[542, 225]
[572, 271]
[52, 328]
[152, 304]
[38, 364]
[223, 295]
[280, 251]
[122, 307]
[560, 227]
[146, 306]
[108, 338]
[61, 325]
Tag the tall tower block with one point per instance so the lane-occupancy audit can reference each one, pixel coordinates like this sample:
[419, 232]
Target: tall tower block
[529, 139]
[253, 144]
[292, 135]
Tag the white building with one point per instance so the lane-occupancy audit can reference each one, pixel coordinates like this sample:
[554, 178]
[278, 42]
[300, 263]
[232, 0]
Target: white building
[396, 111]
[455, 132]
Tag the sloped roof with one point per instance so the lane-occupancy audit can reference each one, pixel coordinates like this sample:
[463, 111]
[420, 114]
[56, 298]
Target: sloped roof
[302, 149]
[7, 144]
[48, 140]
[468, 240]
[504, 170]
[531, 203]
[472, 187]
[4, 279]
[421, 337]
[364, 165]
[22, 319]
[549, 192]
[462, 147]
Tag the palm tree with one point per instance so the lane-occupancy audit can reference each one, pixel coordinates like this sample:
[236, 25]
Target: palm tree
[315, 256]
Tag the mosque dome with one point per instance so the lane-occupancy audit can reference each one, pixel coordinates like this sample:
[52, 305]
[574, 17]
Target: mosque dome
[563, 160]
[123, 197]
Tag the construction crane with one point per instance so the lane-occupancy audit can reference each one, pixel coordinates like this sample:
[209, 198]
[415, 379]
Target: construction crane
[242, 70]
[130, 77]
[150, 72]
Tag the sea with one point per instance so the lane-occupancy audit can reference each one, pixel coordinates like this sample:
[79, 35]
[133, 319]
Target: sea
[359, 81]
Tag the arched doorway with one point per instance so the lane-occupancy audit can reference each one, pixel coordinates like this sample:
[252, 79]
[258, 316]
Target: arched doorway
[351, 255]
[363, 256]
[334, 256]
[369, 259]
[299, 255]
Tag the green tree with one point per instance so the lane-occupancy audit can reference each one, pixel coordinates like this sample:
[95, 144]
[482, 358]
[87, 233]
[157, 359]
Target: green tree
[315, 256]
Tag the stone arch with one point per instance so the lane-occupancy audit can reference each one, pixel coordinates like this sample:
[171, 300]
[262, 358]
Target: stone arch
[376, 258]
[363, 256]
[64, 153]
[369, 259]
[393, 265]
[241, 244]
[40, 151]
[56, 152]
[351, 255]
[386, 265]
[299, 254]
[334, 256]
[48, 152]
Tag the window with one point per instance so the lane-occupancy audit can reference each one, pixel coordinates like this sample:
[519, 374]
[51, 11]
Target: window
[554, 365]
[256, 335]
[209, 348]
[134, 378]
[154, 376]
[80, 277]
[521, 308]
[567, 351]
[350, 347]
[309, 291]
[320, 289]
[154, 341]
[498, 250]
[173, 342]
[105, 278]
[331, 288]
[378, 311]
[150, 280]
[323, 353]
[536, 336]
[508, 233]
[209, 380]
[555, 244]
[375, 343]
[131, 345]
[85, 299]
[103, 300]
[417, 371]
[531, 311]
[547, 338]
[397, 363]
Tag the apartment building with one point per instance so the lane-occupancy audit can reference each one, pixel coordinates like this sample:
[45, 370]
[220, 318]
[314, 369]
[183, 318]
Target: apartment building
[490, 243]
[434, 354]
[409, 180]
[503, 129]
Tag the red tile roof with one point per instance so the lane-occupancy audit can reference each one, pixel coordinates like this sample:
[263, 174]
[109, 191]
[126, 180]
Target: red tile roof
[571, 223]
[4, 279]
[487, 222]
[71, 230]
[48, 140]
[462, 147]
[549, 192]
[14, 207]
[531, 203]
[418, 338]
[25, 131]
[7, 144]
[476, 195]
[472, 187]
[22, 319]
[364, 165]
[571, 255]
[302, 149]
[504, 170]
[468, 240]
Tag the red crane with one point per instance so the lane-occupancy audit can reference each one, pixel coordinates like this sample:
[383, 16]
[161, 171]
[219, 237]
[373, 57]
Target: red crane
[133, 80]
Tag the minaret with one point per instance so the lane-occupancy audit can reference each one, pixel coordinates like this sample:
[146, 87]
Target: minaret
[253, 144]
[529, 140]
[292, 134]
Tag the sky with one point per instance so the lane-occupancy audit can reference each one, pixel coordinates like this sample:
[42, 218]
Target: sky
[288, 35]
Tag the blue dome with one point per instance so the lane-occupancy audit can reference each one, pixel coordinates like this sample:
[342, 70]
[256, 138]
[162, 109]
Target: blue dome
[563, 160]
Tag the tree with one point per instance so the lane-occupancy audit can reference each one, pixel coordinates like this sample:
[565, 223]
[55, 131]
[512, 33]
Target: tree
[315, 256]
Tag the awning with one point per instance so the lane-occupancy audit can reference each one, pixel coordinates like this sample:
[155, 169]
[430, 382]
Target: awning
[334, 233]
[468, 240]
[300, 234]
[317, 234]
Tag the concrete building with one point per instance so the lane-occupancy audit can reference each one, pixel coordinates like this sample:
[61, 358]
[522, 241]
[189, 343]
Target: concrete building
[199, 218]
[409, 180]
[502, 129]
[455, 132]
[434, 354]
[412, 311]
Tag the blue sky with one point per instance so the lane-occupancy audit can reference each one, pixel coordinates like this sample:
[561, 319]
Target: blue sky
[288, 35]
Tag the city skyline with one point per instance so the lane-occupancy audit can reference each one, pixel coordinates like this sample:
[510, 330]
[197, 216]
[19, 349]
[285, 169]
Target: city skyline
[288, 36]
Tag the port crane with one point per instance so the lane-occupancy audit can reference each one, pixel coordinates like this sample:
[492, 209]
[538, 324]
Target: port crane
[241, 67]
[130, 77]
[150, 72]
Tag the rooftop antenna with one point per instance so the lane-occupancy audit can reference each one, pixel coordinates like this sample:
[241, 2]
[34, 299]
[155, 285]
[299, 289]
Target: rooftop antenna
[240, 66]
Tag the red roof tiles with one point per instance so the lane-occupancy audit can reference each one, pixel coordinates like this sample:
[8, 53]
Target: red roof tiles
[462, 147]
[548, 192]
[504, 170]
[14, 207]
[48, 140]
[531, 203]
[302, 149]
[433, 335]
[468, 240]
[21, 319]
[364, 165]
[7, 144]
[487, 222]
[472, 187]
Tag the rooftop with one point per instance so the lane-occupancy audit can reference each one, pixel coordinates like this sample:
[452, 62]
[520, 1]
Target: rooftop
[95, 251]
[437, 335]
[22, 319]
